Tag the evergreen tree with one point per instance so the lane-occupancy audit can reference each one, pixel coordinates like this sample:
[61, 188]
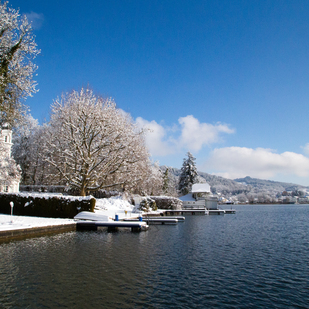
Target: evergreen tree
[188, 175]
[165, 182]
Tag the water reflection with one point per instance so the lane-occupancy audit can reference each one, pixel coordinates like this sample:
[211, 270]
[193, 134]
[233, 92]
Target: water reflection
[256, 258]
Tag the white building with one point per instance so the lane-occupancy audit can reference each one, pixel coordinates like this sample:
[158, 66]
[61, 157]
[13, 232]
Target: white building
[6, 149]
[199, 198]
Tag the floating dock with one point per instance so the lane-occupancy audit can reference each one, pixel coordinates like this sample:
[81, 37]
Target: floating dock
[179, 218]
[152, 221]
[216, 212]
[192, 211]
[111, 225]
[199, 211]
[230, 211]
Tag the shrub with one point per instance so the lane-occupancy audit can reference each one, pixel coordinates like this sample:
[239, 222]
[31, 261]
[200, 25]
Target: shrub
[148, 204]
[167, 202]
[52, 206]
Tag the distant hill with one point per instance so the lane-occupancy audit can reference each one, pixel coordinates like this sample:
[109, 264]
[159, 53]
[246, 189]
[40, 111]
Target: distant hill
[218, 184]
[223, 185]
[264, 185]
[241, 185]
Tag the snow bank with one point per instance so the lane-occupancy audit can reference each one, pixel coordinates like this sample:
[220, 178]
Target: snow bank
[51, 195]
[114, 206]
[118, 205]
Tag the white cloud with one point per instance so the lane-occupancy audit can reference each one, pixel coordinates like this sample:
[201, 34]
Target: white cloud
[36, 19]
[306, 149]
[235, 162]
[195, 135]
[155, 137]
[190, 135]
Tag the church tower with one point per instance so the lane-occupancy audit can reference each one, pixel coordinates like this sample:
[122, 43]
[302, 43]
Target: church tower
[6, 149]
[6, 137]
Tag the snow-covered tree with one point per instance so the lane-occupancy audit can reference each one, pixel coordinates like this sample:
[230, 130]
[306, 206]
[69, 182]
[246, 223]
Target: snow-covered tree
[165, 181]
[151, 181]
[91, 144]
[242, 198]
[9, 171]
[188, 175]
[170, 182]
[17, 50]
[24, 148]
[29, 152]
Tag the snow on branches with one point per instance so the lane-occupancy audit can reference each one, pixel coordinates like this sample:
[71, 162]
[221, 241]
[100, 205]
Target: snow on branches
[17, 50]
[26, 148]
[92, 144]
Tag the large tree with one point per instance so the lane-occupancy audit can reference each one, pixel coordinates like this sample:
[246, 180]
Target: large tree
[17, 51]
[188, 175]
[91, 144]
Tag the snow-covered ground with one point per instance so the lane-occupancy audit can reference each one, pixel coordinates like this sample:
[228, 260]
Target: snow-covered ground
[8, 222]
[117, 206]
[107, 206]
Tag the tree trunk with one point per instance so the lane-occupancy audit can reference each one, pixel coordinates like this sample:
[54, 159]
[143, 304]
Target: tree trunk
[82, 191]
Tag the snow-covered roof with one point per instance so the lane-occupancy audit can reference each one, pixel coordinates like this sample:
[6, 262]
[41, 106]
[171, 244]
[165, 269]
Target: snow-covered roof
[5, 126]
[187, 198]
[200, 188]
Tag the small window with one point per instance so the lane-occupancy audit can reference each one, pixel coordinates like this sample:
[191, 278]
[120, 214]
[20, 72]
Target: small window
[6, 188]
[6, 139]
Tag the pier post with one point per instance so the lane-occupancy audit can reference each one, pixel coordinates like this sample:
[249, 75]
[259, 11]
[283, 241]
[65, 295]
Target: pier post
[136, 229]
[112, 229]
[86, 226]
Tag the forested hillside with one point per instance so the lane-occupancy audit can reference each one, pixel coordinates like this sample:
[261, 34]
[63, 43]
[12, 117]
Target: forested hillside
[244, 188]
[260, 184]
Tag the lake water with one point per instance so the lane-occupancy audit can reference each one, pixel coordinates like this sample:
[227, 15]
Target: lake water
[257, 258]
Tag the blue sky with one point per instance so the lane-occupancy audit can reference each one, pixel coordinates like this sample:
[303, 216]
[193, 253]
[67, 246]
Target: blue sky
[226, 80]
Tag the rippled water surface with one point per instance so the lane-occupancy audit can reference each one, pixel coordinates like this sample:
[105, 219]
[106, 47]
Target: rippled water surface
[258, 258]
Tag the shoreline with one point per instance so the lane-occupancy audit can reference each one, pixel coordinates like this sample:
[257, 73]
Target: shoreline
[21, 227]
[24, 233]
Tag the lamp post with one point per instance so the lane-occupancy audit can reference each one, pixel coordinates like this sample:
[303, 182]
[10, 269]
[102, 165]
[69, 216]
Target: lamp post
[12, 205]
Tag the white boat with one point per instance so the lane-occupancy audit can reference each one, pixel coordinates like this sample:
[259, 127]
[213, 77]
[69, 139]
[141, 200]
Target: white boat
[91, 216]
